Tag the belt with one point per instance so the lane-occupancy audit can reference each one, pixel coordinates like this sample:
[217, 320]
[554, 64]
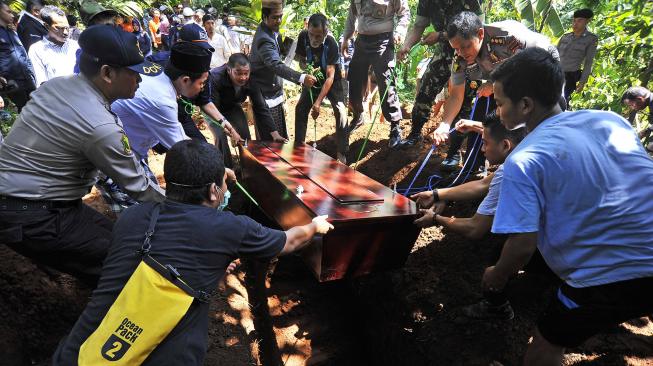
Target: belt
[375, 37]
[8, 203]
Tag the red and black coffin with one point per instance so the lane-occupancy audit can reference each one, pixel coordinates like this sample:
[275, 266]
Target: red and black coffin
[374, 228]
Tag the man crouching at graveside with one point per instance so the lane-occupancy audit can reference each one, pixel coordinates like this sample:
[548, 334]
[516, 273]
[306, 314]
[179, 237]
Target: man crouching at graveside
[51, 157]
[578, 188]
[195, 236]
[498, 143]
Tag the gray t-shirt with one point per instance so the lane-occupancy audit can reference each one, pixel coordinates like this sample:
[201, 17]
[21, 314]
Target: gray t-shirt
[489, 205]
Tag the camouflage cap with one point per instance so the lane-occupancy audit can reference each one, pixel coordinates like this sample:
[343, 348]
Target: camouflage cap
[90, 9]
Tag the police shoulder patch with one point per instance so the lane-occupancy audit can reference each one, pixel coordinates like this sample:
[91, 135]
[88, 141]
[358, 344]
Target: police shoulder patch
[125, 144]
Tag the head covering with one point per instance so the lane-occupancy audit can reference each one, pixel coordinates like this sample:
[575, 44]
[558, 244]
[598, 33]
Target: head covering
[110, 45]
[272, 4]
[90, 9]
[136, 23]
[584, 13]
[190, 57]
[196, 34]
[188, 12]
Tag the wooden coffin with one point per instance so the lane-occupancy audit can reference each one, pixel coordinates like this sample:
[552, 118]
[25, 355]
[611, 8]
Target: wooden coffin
[373, 226]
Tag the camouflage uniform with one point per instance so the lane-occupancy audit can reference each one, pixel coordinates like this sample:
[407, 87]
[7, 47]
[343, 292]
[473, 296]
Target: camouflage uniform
[438, 13]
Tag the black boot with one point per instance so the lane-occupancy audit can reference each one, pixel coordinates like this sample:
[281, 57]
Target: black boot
[395, 136]
[410, 141]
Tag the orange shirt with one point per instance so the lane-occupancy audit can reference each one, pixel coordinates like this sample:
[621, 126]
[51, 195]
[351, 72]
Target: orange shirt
[154, 27]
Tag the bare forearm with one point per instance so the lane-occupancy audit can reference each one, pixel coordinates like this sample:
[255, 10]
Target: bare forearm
[212, 111]
[414, 35]
[325, 90]
[456, 224]
[453, 104]
[468, 191]
[516, 253]
[298, 237]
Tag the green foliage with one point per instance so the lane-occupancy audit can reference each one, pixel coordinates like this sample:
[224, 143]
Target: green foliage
[624, 53]
[542, 12]
[7, 118]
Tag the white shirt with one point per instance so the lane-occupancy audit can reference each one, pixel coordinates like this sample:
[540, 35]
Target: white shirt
[151, 116]
[222, 50]
[51, 60]
[489, 205]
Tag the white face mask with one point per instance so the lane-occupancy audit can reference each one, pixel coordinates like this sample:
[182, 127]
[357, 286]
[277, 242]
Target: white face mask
[226, 195]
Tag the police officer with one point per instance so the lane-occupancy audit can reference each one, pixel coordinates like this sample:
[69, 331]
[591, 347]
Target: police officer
[375, 46]
[437, 13]
[479, 50]
[50, 158]
[577, 48]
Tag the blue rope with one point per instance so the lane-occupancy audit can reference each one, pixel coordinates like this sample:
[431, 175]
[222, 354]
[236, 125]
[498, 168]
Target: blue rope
[426, 159]
[476, 147]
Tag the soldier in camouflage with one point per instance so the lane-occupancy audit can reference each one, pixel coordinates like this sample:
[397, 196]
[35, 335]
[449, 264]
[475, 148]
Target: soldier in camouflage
[436, 13]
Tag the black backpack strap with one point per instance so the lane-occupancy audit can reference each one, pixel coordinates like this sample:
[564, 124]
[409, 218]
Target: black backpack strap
[167, 271]
[145, 248]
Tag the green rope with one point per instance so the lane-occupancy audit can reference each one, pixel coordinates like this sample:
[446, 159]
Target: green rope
[369, 131]
[246, 193]
[189, 108]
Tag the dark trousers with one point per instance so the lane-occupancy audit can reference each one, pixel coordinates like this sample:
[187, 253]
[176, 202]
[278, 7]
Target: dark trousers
[456, 138]
[73, 240]
[379, 52]
[571, 81]
[238, 120]
[20, 97]
[337, 99]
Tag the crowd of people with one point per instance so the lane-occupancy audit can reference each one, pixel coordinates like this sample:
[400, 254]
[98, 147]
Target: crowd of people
[572, 189]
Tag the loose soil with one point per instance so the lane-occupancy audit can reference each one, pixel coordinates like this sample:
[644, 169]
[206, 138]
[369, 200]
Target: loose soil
[408, 316]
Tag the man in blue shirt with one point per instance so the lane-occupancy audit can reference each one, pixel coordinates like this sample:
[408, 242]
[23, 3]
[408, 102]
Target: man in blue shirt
[152, 116]
[578, 188]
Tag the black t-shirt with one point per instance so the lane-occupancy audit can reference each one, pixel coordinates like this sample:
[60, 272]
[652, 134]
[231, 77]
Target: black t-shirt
[332, 56]
[199, 242]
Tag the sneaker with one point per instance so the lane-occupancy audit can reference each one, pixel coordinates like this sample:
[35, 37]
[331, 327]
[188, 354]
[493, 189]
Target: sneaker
[410, 141]
[356, 122]
[395, 137]
[450, 163]
[483, 310]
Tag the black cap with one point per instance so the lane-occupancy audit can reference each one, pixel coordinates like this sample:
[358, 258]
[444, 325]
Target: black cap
[190, 57]
[584, 13]
[196, 34]
[111, 45]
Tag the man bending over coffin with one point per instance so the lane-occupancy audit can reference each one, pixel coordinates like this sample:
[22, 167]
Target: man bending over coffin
[578, 188]
[498, 142]
[195, 236]
[230, 86]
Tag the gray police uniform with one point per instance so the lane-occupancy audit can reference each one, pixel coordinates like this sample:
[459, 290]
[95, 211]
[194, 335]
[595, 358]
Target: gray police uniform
[375, 20]
[574, 53]
[494, 50]
[49, 161]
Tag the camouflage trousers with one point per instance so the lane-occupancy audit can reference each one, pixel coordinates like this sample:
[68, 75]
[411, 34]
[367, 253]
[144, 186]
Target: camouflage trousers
[435, 78]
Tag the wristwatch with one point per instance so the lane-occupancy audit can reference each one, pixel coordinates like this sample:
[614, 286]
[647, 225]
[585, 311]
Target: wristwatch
[436, 196]
[222, 122]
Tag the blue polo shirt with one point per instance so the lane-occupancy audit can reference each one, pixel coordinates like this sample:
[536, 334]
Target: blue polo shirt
[151, 116]
[583, 182]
